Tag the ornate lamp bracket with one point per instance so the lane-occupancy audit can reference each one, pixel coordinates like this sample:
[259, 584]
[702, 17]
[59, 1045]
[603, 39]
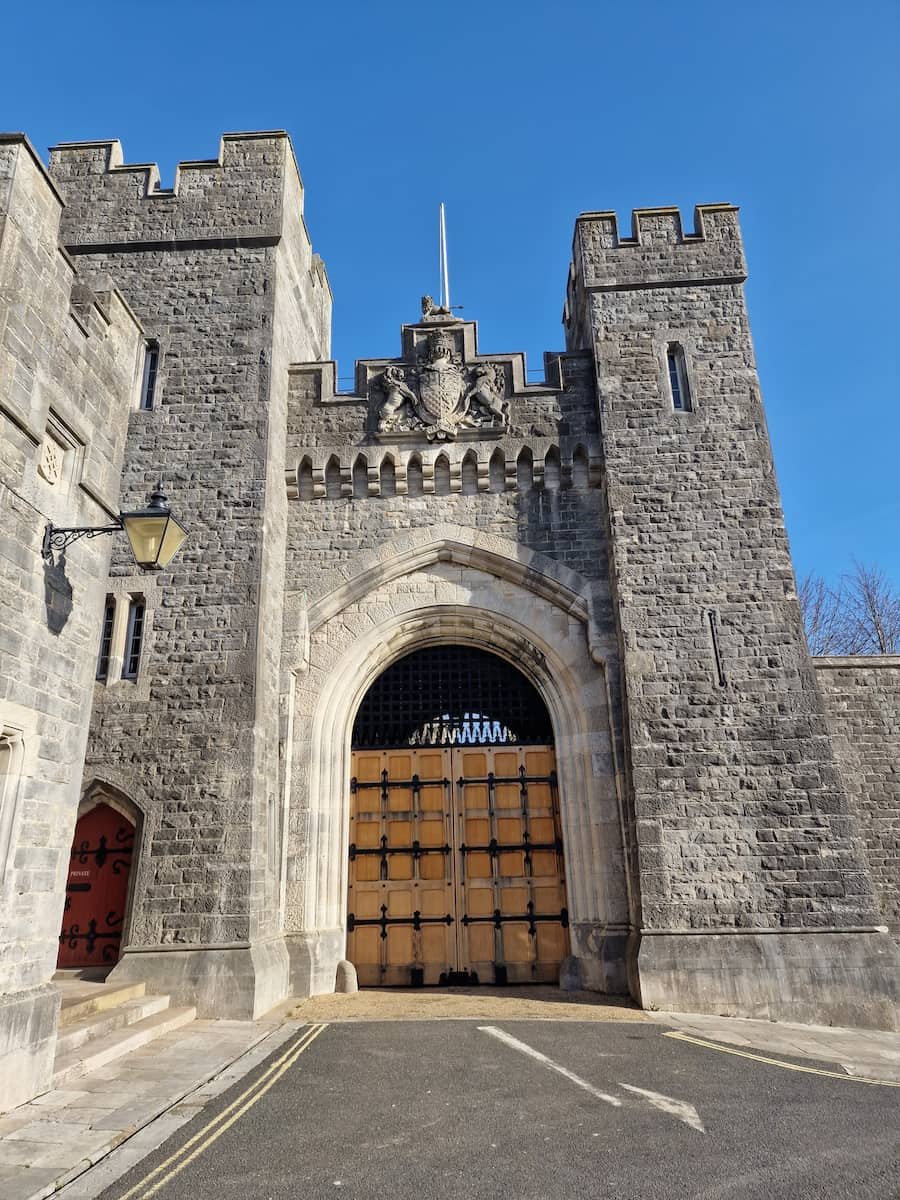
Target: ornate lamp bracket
[59, 538]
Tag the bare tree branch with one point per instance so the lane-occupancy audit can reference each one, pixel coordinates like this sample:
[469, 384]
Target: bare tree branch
[873, 611]
[823, 616]
[859, 616]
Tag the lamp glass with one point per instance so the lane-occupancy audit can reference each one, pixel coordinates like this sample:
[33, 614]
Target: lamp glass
[155, 538]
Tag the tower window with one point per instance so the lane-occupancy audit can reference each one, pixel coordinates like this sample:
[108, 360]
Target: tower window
[678, 380]
[106, 636]
[134, 636]
[148, 382]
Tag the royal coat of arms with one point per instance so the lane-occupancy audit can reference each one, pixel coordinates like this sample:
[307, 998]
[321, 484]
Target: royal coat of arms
[440, 396]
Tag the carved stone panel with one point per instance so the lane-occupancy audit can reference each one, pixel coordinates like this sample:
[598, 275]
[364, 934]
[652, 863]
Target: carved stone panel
[441, 396]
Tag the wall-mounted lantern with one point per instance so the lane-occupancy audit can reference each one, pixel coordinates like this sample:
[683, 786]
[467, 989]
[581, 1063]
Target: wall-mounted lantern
[154, 534]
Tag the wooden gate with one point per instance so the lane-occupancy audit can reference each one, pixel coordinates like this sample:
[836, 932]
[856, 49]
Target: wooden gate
[456, 867]
[96, 889]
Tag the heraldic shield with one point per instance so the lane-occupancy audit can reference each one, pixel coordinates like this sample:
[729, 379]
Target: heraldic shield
[442, 385]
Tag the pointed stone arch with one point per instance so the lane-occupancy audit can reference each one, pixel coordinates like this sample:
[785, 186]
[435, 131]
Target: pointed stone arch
[360, 477]
[101, 791]
[525, 470]
[552, 469]
[495, 596]
[442, 475]
[388, 476]
[536, 572]
[414, 475]
[469, 474]
[333, 478]
[497, 471]
[580, 468]
[305, 486]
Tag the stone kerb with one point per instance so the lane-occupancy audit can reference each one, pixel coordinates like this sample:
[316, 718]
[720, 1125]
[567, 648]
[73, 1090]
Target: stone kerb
[432, 603]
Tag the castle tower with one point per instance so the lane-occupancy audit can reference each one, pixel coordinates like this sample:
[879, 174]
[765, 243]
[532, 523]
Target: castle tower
[754, 896]
[221, 273]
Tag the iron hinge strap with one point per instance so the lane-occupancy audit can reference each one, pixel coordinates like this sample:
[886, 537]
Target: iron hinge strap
[416, 850]
[494, 847]
[497, 919]
[416, 920]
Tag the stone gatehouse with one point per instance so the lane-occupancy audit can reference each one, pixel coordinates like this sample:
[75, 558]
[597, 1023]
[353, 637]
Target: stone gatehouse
[459, 676]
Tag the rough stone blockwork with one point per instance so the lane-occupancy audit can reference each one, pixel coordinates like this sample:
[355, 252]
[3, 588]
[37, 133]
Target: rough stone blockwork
[68, 365]
[223, 277]
[862, 704]
[426, 526]
[741, 819]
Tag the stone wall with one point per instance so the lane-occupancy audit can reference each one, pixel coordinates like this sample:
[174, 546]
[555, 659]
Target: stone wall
[223, 276]
[862, 704]
[371, 519]
[68, 376]
[741, 820]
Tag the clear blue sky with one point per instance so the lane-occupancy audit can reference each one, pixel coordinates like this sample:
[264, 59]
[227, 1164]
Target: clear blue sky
[519, 115]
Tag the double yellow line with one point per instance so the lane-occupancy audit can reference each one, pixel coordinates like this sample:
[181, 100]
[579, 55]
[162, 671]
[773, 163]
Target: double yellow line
[778, 1062]
[204, 1138]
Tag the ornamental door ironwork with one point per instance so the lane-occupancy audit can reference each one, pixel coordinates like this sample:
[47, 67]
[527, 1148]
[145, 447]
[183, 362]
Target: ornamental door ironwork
[456, 866]
[96, 889]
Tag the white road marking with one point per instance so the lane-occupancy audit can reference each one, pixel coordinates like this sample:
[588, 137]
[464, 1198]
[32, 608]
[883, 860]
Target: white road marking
[677, 1108]
[668, 1104]
[509, 1040]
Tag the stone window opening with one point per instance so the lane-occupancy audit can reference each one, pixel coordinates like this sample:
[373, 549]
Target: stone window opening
[106, 638]
[134, 637]
[679, 386]
[149, 375]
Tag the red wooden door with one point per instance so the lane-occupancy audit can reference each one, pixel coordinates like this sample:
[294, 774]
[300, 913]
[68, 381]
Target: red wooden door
[96, 889]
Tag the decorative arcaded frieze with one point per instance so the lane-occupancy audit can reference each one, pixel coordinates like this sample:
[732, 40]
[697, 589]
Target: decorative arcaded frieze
[324, 473]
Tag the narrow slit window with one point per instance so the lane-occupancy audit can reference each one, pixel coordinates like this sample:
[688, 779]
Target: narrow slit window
[148, 382]
[678, 380]
[106, 634]
[134, 637]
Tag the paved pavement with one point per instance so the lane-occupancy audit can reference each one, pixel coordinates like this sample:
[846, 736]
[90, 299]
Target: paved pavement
[322, 1110]
[61, 1134]
[529, 1110]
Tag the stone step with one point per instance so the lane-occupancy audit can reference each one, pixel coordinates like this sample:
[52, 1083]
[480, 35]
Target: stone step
[81, 1002]
[104, 1050]
[98, 1024]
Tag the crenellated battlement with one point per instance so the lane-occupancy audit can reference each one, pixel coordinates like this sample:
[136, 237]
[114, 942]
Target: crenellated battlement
[237, 197]
[658, 253]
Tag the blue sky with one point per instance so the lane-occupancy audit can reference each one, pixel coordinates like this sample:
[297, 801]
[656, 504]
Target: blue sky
[519, 115]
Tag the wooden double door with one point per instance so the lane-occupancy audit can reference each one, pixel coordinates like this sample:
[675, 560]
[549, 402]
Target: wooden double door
[456, 867]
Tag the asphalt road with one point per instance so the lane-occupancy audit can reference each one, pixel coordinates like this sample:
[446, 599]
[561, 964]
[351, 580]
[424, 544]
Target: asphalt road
[428, 1110]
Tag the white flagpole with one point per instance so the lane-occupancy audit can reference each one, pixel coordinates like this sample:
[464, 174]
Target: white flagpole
[445, 278]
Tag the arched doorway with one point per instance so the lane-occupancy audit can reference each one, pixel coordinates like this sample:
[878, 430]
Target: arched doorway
[96, 889]
[456, 871]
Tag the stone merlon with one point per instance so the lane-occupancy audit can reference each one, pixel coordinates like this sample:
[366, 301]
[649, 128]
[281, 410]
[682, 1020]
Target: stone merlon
[242, 197]
[657, 254]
